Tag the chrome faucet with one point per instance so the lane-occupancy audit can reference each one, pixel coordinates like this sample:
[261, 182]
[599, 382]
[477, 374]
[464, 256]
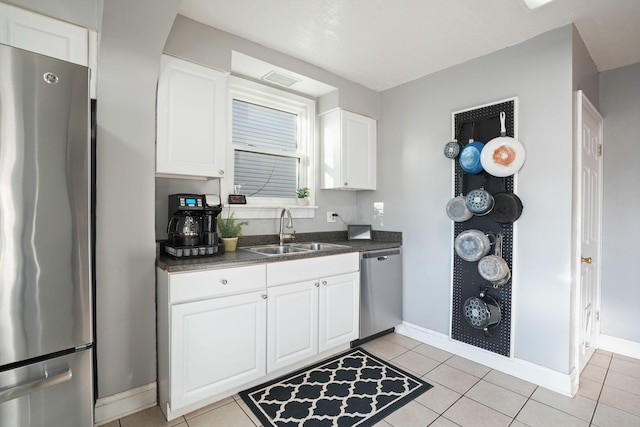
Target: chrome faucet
[284, 235]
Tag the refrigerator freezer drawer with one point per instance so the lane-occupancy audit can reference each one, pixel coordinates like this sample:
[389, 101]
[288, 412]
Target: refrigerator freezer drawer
[54, 393]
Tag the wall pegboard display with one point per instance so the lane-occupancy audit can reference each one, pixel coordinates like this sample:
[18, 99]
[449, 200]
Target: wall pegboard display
[482, 124]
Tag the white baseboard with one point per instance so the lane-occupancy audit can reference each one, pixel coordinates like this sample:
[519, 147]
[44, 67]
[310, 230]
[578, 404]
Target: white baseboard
[548, 378]
[619, 345]
[126, 403]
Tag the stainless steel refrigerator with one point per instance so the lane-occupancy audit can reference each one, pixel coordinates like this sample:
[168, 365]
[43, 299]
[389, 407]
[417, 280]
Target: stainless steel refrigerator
[46, 330]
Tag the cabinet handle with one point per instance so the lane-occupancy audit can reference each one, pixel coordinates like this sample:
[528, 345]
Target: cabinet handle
[346, 184]
[316, 284]
[324, 283]
[264, 296]
[223, 281]
[221, 172]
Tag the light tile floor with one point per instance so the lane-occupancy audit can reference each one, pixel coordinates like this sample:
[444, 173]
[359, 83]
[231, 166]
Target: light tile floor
[465, 393]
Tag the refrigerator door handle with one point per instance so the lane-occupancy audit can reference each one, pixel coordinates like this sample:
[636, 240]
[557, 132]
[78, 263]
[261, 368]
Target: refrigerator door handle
[31, 386]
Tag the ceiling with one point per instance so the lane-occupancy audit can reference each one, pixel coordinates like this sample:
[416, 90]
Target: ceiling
[384, 43]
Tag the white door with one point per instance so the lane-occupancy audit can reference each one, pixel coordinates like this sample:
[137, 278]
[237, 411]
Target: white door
[292, 323]
[216, 344]
[339, 310]
[589, 127]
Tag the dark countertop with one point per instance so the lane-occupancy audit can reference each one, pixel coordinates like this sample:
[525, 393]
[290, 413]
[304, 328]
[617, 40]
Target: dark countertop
[242, 257]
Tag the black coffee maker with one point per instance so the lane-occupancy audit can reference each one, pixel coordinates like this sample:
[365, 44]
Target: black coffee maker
[192, 226]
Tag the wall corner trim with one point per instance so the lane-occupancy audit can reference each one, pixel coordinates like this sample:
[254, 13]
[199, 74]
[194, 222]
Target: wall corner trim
[128, 402]
[619, 346]
[536, 374]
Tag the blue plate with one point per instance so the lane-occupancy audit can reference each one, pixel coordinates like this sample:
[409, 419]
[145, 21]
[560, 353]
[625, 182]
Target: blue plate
[470, 157]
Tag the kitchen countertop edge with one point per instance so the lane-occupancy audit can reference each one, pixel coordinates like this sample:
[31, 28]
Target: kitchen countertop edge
[241, 257]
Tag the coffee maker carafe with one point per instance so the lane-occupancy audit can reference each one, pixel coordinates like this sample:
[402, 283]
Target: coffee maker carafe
[184, 229]
[191, 230]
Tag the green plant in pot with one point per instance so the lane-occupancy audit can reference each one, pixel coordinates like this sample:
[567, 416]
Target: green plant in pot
[303, 195]
[230, 230]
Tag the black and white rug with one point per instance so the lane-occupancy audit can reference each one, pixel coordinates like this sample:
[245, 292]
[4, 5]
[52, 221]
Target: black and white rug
[351, 389]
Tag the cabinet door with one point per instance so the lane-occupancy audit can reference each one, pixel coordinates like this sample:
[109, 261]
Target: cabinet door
[48, 36]
[292, 323]
[348, 151]
[216, 344]
[44, 35]
[358, 151]
[339, 310]
[191, 122]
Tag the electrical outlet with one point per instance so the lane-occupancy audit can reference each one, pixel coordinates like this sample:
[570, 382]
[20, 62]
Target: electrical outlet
[331, 217]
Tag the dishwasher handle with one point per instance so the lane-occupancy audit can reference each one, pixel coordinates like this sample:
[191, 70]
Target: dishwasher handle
[381, 255]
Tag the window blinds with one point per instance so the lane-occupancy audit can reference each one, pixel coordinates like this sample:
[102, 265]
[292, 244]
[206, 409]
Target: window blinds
[260, 174]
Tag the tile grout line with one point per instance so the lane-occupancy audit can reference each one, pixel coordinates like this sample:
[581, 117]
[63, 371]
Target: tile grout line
[245, 412]
[525, 404]
[601, 390]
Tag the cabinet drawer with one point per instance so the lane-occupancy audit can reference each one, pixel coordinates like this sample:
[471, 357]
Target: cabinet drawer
[283, 272]
[197, 285]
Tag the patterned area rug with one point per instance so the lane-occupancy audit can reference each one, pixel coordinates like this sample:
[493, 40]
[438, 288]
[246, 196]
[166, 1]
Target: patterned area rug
[351, 389]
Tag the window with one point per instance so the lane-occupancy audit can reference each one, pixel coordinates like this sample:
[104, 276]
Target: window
[271, 146]
[266, 158]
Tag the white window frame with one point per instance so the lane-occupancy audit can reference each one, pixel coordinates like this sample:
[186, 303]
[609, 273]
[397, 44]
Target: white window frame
[305, 109]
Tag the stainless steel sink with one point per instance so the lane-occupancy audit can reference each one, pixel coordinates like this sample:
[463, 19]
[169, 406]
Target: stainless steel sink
[291, 248]
[317, 246]
[275, 250]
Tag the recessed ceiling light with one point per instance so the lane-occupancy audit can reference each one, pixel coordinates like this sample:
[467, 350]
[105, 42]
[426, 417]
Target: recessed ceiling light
[533, 4]
[279, 78]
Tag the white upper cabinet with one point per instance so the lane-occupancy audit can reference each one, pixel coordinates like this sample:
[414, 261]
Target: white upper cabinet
[191, 119]
[348, 151]
[47, 36]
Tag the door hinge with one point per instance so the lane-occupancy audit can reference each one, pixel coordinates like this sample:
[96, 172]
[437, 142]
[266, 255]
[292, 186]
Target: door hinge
[599, 149]
[597, 316]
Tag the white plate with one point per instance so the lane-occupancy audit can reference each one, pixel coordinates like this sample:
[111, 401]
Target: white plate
[502, 156]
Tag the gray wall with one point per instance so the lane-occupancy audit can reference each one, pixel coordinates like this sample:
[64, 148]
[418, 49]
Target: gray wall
[209, 46]
[128, 67]
[620, 106]
[415, 183]
[342, 202]
[585, 73]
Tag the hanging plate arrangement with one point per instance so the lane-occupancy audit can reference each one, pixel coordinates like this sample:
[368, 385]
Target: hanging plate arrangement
[471, 245]
[470, 157]
[457, 207]
[480, 201]
[493, 267]
[453, 147]
[503, 156]
[482, 312]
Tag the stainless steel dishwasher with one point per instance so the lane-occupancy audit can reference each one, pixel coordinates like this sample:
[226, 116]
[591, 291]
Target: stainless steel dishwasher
[380, 292]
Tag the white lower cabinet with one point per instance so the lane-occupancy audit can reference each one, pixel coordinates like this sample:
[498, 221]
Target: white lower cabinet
[216, 344]
[222, 331]
[307, 315]
[339, 313]
[212, 328]
[292, 324]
